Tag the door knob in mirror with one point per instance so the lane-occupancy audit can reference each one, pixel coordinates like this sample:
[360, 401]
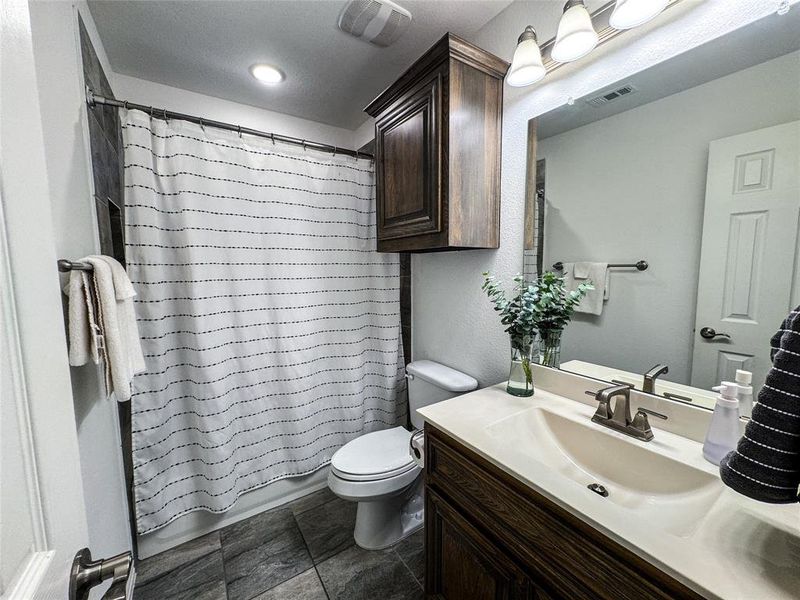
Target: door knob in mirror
[709, 333]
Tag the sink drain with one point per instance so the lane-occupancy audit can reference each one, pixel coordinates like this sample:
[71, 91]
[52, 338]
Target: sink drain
[598, 489]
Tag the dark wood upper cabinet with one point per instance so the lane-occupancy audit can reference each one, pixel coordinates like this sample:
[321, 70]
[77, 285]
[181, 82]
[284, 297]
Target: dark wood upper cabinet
[437, 151]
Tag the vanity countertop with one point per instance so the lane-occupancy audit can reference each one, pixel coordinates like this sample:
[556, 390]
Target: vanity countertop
[737, 548]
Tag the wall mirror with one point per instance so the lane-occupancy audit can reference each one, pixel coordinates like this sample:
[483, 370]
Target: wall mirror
[693, 166]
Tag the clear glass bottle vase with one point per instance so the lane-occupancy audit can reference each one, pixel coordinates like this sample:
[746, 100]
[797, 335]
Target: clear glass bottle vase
[520, 376]
[550, 347]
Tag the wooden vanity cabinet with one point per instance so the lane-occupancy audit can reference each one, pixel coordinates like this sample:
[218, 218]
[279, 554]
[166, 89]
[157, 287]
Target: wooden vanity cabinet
[488, 536]
[437, 151]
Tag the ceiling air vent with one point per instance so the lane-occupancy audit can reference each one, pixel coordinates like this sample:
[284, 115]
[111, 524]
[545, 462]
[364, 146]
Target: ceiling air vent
[606, 97]
[379, 22]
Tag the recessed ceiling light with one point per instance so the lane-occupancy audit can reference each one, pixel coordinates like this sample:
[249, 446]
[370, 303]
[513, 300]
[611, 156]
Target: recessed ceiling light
[267, 74]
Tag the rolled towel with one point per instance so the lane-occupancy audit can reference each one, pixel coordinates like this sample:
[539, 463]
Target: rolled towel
[766, 463]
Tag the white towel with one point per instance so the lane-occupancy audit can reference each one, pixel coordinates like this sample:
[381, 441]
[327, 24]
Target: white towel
[107, 297]
[583, 272]
[85, 337]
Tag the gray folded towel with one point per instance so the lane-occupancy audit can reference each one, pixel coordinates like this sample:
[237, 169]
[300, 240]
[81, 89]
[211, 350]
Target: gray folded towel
[766, 463]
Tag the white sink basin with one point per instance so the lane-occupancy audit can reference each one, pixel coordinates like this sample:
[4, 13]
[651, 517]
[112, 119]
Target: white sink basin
[669, 494]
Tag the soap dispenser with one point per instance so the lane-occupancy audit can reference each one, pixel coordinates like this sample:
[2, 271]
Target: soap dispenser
[744, 380]
[723, 434]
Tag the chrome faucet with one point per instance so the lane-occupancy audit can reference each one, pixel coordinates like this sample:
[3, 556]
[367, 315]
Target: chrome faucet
[619, 418]
[651, 376]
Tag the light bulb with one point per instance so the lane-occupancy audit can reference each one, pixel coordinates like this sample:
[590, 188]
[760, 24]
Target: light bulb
[267, 74]
[576, 36]
[526, 66]
[632, 13]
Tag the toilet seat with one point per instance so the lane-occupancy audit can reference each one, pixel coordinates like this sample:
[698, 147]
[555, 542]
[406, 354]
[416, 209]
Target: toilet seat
[374, 456]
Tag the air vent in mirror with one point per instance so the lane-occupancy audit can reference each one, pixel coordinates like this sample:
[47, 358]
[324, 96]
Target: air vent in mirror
[611, 95]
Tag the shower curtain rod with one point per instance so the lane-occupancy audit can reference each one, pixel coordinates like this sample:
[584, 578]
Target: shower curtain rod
[93, 99]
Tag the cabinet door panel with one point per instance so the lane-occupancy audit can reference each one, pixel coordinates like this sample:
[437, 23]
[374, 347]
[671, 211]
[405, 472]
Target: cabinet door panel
[408, 167]
[462, 563]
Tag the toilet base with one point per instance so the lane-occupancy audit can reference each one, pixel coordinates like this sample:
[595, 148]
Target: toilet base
[383, 523]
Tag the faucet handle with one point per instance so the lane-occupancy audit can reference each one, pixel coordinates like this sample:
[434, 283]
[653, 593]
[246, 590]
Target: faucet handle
[652, 413]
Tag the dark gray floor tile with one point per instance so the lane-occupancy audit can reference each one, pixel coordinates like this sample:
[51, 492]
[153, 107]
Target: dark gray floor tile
[200, 579]
[263, 552]
[328, 528]
[358, 574]
[306, 586]
[312, 500]
[161, 564]
[412, 552]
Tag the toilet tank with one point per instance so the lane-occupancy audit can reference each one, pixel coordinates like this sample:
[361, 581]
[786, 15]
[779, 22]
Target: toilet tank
[430, 382]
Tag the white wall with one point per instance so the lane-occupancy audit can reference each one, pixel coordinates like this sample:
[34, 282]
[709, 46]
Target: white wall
[633, 186]
[446, 286]
[184, 101]
[60, 81]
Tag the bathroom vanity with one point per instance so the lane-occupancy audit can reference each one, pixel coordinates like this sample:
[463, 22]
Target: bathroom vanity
[511, 513]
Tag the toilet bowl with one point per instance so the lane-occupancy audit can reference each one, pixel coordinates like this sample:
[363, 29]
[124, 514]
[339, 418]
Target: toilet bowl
[377, 469]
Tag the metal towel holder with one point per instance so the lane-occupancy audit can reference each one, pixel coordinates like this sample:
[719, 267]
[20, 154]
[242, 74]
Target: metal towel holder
[641, 265]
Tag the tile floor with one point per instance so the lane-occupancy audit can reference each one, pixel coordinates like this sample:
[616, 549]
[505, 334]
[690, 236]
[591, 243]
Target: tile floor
[303, 550]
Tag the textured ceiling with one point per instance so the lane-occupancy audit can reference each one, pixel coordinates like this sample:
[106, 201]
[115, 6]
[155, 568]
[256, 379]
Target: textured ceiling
[207, 47]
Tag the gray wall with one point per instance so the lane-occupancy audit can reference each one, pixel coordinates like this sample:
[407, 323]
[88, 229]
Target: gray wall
[633, 186]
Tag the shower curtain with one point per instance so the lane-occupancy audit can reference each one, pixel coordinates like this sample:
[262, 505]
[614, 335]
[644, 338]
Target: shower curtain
[270, 326]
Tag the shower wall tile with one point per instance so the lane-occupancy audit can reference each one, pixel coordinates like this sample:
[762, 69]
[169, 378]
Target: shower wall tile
[405, 303]
[105, 139]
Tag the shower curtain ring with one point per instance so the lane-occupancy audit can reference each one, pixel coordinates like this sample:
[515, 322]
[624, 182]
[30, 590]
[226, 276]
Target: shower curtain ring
[203, 127]
[125, 105]
[304, 145]
[239, 129]
[272, 137]
[166, 118]
[334, 150]
[151, 112]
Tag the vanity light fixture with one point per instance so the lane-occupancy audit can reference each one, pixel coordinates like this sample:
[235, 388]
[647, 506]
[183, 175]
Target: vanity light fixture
[576, 36]
[526, 66]
[267, 74]
[632, 13]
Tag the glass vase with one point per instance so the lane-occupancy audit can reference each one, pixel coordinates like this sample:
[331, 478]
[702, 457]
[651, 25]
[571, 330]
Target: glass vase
[520, 376]
[550, 347]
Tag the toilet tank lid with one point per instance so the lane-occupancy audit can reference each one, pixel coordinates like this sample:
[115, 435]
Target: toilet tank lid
[442, 376]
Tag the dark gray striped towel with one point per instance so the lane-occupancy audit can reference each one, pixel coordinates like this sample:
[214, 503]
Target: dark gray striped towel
[766, 463]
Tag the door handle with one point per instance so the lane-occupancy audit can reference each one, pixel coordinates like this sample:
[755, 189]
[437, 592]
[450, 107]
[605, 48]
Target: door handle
[87, 573]
[708, 333]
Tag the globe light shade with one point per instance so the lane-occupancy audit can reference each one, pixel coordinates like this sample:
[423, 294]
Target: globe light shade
[526, 66]
[632, 13]
[576, 36]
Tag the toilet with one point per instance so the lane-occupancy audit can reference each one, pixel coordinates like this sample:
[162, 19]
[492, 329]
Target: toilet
[377, 469]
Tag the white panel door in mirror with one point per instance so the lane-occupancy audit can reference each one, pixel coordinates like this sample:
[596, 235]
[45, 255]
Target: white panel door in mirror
[728, 362]
[754, 171]
[743, 265]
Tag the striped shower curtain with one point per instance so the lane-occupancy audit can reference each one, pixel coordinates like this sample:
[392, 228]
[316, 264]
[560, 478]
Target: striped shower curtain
[270, 326]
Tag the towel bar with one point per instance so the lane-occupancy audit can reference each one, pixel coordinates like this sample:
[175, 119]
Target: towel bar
[639, 266]
[68, 265]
